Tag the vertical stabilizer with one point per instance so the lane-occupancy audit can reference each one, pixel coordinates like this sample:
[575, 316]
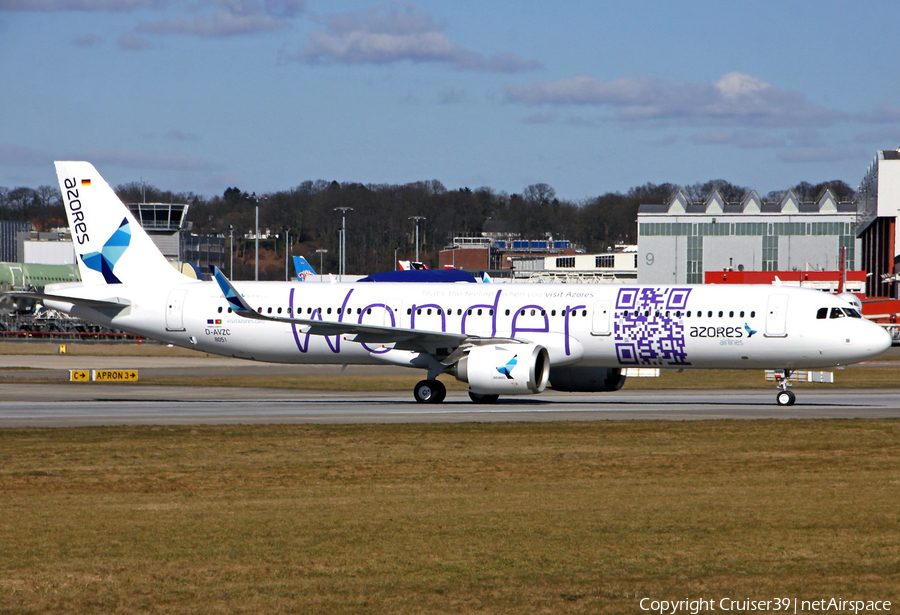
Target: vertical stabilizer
[111, 245]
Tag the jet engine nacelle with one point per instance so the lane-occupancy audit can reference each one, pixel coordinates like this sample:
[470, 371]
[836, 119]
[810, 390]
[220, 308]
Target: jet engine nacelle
[578, 379]
[505, 369]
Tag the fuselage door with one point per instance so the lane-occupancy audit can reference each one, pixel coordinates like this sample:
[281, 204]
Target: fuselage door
[18, 277]
[175, 310]
[776, 316]
[602, 310]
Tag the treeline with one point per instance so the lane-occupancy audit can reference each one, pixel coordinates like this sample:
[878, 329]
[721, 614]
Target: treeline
[379, 223]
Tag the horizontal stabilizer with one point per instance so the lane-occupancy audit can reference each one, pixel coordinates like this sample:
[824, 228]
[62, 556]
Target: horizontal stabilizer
[109, 303]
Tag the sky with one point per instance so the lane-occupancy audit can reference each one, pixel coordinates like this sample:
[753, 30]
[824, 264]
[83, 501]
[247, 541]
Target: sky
[588, 97]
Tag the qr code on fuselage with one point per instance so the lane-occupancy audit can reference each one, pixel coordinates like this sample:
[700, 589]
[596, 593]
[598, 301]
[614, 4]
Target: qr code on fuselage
[648, 326]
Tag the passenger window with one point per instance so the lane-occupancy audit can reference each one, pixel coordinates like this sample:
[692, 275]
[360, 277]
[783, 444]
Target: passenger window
[220, 309]
[822, 313]
[836, 313]
[742, 313]
[731, 314]
[720, 313]
[709, 314]
[753, 314]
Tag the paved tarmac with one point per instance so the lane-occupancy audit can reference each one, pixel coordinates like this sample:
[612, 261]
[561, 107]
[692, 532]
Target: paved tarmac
[88, 404]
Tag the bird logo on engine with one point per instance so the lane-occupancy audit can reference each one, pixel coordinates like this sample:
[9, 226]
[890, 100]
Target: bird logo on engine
[506, 369]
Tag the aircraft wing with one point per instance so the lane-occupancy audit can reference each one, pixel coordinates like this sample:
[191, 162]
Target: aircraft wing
[403, 339]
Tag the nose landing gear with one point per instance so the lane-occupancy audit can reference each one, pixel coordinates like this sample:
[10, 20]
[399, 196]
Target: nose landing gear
[785, 397]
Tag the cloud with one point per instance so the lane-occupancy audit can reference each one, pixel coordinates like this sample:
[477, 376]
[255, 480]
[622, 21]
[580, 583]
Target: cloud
[390, 33]
[88, 40]
[817, 154]
[133, 42]
[21, 156]
[452, 96]
[881, 114]
[170, 161]
[540, 118]
[736, 99]
[182, 135]
[743, 139]
[229, 18]
[78, 5]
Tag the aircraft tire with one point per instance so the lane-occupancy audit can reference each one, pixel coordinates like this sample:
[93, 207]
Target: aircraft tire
[429, 392]
[785, 398]
[478, 398]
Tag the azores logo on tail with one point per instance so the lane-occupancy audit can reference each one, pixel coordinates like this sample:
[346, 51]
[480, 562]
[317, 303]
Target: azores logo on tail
[105, 260]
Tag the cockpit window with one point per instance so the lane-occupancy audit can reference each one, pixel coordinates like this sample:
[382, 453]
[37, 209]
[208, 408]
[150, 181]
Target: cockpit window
[822, 313]
[836, 313]
[852, 313]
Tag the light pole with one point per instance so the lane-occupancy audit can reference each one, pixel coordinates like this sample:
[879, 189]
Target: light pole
[231, 250]
[417, 219]
[256, 234]
[343, 241]
[287, 235]
[321, 252]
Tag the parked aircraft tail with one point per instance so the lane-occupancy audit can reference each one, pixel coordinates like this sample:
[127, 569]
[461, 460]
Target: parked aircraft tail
[111, 245]
[303, 268]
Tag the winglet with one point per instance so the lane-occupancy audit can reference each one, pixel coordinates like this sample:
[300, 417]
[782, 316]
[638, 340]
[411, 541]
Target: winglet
[235, 301]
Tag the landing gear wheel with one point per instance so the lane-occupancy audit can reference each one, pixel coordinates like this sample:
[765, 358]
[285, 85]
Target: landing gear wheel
[478, 398]
[785, 398]
[430, 392]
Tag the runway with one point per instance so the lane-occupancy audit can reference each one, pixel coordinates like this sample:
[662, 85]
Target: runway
[91, 404]
[95, 404]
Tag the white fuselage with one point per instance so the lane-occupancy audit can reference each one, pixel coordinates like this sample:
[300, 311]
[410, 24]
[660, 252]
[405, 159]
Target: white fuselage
[681, 327]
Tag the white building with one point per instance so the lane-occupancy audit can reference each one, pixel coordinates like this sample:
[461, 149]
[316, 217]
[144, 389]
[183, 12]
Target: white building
[677, 242]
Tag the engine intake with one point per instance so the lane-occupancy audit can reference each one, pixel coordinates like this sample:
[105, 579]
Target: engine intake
[505, 369]
[579, 379]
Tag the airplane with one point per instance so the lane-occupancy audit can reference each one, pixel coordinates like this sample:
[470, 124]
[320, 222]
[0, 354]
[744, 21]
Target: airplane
[501, 339]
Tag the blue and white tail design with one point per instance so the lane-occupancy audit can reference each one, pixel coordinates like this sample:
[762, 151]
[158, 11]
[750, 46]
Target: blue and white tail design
[303, 268]
[111, 245]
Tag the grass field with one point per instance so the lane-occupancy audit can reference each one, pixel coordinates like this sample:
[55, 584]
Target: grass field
[473, 518]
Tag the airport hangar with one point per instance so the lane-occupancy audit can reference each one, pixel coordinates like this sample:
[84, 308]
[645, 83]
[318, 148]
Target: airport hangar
[680, 240]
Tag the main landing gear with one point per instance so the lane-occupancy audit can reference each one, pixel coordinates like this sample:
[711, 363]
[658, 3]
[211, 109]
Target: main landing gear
[785, 397]
[430, 392]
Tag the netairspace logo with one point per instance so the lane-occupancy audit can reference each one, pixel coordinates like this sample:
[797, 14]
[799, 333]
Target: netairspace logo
[776, 605]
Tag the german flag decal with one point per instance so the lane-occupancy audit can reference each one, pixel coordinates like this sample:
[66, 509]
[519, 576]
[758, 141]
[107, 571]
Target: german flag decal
[85, 182]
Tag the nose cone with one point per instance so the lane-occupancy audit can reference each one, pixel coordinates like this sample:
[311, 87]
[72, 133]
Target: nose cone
[881, 340]
[874, 340]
